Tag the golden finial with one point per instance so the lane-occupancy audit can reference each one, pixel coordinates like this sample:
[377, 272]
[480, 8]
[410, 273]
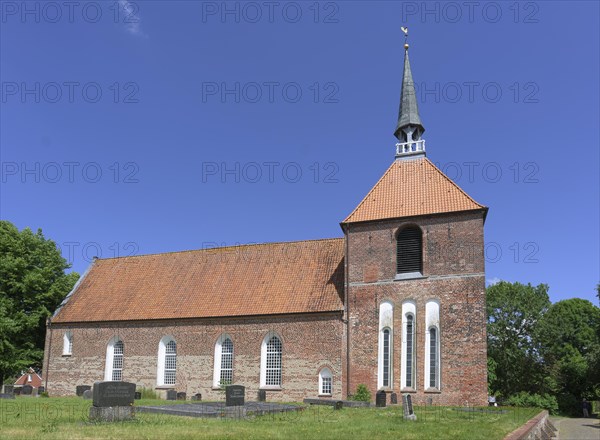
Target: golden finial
[405, 30]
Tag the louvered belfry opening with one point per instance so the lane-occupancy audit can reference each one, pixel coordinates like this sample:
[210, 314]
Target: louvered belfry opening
[409, 250]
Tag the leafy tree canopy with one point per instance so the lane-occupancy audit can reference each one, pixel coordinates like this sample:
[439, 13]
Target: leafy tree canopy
[33, 283]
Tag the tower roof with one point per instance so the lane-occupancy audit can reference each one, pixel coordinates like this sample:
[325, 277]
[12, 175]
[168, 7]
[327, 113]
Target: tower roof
[409, 111]
[412, 188]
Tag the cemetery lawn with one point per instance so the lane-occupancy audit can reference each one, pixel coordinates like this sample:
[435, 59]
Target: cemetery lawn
[66, 418]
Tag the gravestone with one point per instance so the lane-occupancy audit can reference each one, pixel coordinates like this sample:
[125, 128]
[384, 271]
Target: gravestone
[181, 396]
[9, 389]
[262, 396]
[380, 399]
[17, 391]
[41, 390]
[409, 414]
[87, 395]
[112, 401]
[394, 398]
[171, 395]
[338, 405]
[137, 395]
[27, 390]
[235, 395]
[197, 397]
[79, 389]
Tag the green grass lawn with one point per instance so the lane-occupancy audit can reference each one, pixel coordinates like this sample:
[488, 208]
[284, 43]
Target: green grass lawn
[66, 418]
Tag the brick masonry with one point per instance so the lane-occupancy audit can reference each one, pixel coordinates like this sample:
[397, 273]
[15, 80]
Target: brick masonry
[453, 269]
[310, 342]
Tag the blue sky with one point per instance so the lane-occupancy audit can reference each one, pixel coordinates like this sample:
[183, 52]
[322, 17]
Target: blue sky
[160, 126]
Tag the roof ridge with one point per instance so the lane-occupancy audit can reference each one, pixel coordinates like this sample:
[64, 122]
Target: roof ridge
[454, 184]
[369, 193]
[267, 243]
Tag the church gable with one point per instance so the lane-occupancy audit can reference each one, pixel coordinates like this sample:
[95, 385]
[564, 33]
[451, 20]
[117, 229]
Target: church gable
[263, 279]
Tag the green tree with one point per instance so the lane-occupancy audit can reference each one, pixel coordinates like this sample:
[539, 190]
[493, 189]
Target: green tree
[513, 310]
[33, 283]
[570, 347]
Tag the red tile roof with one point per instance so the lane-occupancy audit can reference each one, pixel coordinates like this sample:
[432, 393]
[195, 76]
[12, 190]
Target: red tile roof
[411, 188]
[261, 279]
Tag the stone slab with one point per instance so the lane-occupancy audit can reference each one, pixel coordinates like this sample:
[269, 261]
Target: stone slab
[113, 394]
[235, 395]
[219, 409]
[7, 396]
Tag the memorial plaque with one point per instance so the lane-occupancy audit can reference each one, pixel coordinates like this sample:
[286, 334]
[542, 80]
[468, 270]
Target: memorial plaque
[171, 395]
[181, 396]
[235, 395]
[87, 395]
[380, 399]
[27, 390]
[394, 398]
[113, 393]
[79, 389]
[9, 389]
[262, 396]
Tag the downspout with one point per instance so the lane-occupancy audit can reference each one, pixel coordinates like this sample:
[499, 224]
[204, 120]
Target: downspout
[347, 307]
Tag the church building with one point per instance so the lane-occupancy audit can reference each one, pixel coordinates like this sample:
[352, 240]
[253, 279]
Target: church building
[396, 304]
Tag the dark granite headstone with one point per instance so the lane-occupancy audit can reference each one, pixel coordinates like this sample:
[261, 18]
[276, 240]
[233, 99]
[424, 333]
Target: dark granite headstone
[41, 390]
[394, 398]
[380, 399]
[181, 396]
[338, 405]
[137, 395]
[27, 390]
[7, 396]
[79, 389]
[171, 395]
[9, 389]
[262, 396]
[113, 393]
[197, 397]
[88, 394]
[407, 407]
[235, 395]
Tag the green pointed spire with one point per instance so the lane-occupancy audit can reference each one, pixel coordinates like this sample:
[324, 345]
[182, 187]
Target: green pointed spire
[409, 111]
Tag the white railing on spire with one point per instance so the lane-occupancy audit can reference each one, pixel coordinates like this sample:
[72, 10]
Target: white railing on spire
[410, 147]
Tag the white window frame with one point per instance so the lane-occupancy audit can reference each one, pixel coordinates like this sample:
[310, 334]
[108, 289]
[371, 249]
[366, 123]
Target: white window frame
[110, 359]
[386, 322]
[324, 377]
[409, 308]
[162, 353]
[432, 320]
[219, 359]
[68, 343]
[263, 362]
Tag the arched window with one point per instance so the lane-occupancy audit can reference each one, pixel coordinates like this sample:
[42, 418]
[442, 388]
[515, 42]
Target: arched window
[386, 325]
[408, 370]
[68, 343]
[167, 361]
[114, 359]
[325, 382]
[409, 251]
[432, 345]
[433, 362]
[270, 371]
[223, 372]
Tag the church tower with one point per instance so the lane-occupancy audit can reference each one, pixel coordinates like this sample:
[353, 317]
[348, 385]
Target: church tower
[415, 278]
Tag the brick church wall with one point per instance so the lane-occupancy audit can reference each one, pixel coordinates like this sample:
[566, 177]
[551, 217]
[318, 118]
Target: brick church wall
[453, 269]
[310, 342]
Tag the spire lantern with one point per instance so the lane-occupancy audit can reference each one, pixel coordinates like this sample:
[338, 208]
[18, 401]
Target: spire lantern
[409, 129]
